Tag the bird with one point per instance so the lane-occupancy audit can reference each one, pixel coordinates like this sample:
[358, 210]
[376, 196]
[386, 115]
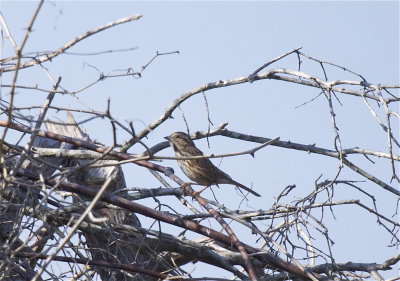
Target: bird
[202, 170]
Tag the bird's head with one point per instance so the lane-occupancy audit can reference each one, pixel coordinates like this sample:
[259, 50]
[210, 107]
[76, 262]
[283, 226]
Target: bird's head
[179, 140]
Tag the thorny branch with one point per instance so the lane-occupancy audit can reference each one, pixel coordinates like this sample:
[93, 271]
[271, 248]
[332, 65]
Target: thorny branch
[276, 74]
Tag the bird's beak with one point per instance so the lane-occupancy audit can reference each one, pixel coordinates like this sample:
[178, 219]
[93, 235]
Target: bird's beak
[168, 138]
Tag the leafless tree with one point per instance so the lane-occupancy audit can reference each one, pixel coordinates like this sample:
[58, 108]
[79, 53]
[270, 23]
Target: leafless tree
[64, 200]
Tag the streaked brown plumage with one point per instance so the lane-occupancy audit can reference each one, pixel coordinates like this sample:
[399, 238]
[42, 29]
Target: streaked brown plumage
[201, 171]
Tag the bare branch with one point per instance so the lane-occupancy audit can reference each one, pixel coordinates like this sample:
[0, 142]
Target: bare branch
[71, 43]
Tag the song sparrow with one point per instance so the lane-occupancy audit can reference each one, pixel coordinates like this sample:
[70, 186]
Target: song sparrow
[202, 170]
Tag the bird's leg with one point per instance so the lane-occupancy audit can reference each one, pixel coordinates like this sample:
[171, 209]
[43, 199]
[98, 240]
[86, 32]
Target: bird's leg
[198, 192]
[186, 190]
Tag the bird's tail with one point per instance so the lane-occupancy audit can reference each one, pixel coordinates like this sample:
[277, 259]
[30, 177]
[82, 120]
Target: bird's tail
[246, 188]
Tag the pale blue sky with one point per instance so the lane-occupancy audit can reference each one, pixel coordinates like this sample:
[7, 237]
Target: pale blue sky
[226, 40]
